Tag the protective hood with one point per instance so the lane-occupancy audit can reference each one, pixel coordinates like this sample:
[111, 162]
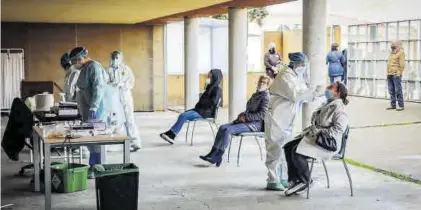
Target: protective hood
[215, 81]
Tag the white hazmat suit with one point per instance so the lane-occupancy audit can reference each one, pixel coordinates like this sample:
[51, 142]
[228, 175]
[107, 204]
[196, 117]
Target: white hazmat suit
[72, 75]
[288, 91]
[122, 77]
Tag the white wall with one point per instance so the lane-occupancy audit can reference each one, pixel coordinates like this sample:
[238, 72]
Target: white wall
[213, 47]
[220, 48]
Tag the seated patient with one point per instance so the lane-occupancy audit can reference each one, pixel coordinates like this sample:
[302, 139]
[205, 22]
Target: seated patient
[249, 121]
[205, 108]
[329, 121]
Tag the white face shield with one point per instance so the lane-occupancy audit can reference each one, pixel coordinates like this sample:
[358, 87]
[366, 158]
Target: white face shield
[303, 72]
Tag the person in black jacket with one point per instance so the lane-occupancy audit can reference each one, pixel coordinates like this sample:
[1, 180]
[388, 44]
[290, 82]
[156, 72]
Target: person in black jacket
[250, 120]
[205, 108]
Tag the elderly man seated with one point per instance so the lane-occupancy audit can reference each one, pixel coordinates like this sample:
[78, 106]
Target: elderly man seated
[249, 121]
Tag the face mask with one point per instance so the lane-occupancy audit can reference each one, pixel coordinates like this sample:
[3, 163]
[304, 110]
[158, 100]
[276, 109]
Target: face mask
[208, 81]
[393, 47]
[328, 94]
[115, 62]
[300, 70]
[261, 89]
[272, 51]
[77, 66]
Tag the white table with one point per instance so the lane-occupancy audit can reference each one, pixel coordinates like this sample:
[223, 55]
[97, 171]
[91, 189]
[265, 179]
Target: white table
[47, 143]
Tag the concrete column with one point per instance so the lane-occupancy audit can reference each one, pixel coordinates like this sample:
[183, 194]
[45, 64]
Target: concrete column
[237, 45]
[191, 62]
[314, 46]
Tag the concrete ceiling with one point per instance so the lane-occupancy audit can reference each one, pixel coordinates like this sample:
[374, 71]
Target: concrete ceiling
[96, 11]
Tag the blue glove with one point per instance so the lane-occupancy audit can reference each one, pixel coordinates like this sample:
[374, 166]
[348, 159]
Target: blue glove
[92, 114]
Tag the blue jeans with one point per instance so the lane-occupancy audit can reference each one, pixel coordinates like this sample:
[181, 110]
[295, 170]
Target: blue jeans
[182, 118]
[394, 84]
[225, 131]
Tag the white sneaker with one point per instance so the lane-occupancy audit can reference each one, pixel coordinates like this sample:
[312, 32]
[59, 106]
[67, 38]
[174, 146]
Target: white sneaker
[295, 188]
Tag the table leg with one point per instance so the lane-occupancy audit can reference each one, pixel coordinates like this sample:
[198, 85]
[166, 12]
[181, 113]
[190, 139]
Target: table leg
[41, 152]
[47, 176]
[126, 152]
[103, 155]
[37, 159]
[80, 154]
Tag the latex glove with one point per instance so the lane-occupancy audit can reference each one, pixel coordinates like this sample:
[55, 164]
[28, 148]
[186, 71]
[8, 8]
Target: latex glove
[320, 91]
[92, 114]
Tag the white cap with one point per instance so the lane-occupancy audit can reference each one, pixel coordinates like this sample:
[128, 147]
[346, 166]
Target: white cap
[272, 45]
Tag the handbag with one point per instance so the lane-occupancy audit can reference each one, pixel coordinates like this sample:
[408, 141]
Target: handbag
[326, 142]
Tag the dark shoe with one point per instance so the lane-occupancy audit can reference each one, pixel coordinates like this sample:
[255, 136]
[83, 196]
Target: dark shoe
[400, 109]
[216, 158]
[211, 153]
[296, 187]
[391, 108]
[168, 136]
[134, 148]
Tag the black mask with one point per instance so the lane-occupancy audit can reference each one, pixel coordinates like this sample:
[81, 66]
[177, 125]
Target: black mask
[393, 47]
[272, 51]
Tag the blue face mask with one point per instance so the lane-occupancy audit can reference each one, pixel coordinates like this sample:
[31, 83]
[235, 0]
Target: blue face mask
[328, 94]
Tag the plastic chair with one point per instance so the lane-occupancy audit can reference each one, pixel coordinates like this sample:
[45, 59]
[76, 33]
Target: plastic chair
[210, 121]
[256, 135]
[341, 156]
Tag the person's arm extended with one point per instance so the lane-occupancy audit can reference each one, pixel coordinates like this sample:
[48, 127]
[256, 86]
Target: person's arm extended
[293, 94]
[97, 81]
[261, 111]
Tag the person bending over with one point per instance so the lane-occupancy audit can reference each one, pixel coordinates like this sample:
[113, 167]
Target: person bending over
[249, 121]
[205, 108]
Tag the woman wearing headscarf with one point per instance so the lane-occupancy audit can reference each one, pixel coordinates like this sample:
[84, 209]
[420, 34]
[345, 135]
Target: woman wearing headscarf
[205, 108]
[250, 120]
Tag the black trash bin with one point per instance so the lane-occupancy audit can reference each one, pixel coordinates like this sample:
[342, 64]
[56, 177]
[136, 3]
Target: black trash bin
[117, 186]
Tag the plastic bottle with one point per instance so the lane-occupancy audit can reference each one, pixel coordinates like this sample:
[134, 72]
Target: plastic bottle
[113, 122]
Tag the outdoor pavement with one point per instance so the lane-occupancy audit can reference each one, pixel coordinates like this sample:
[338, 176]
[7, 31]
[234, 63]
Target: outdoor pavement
[173, 177]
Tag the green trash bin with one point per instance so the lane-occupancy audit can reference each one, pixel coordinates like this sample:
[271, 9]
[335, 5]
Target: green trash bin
[68, 177]
[117, 186]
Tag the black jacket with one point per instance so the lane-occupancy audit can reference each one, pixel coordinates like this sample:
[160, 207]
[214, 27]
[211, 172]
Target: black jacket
[18, 128]
[257, 107]
[208, 102]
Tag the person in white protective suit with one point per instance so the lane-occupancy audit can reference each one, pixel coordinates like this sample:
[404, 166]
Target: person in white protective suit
[288, 91]
[121, 76]
[72, 74]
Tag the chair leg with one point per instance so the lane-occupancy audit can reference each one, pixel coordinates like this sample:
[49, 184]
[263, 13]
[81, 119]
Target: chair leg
[239, 149]
[213, 131]
[192, 134]
[327, 174]
[349, 177]
[229, 148]
[187, 132]
[309, 179]
[260, 148]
